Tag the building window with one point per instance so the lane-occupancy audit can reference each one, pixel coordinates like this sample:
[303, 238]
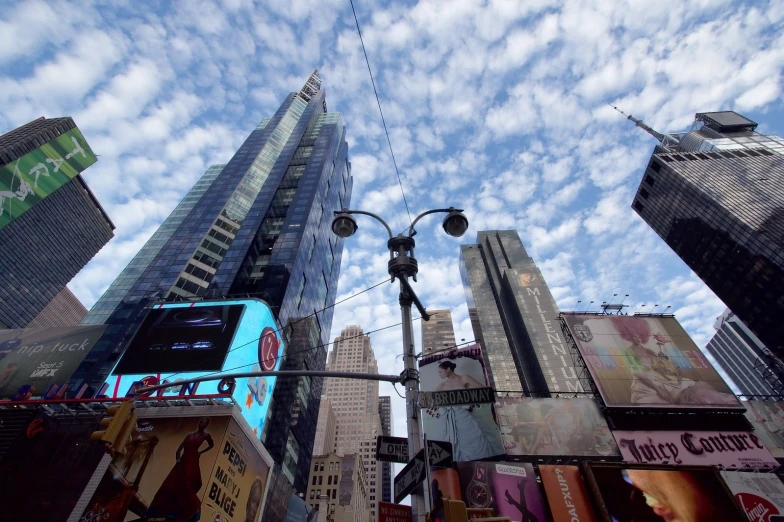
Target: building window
[644, 193]
[638, 206]
[301, 290]
[655, 166]
[649, 180]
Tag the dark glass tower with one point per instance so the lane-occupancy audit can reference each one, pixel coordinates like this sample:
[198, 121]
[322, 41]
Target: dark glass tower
[514, 317]
[385, 412]
[46, 246]
[716, 196]
[257, 226]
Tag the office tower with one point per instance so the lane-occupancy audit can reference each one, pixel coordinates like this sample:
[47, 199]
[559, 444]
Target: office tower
[51, 225]
[258, 226]
[332, 475]
[356, 404]
[740, 354]
[385, 413]
[715, 195]
[438, 333]
[326, 428]
[514, 317]
[64, 310]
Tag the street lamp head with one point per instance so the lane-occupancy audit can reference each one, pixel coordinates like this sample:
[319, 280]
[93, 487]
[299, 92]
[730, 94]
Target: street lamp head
[455, 223]
[343, 224]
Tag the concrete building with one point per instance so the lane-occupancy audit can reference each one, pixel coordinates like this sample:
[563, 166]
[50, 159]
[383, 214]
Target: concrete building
[438, 333]
[326, 429]
[64, 310]
[338, 488]
[385, 413]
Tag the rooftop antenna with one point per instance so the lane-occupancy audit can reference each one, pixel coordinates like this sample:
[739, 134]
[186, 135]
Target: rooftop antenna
[641, 124]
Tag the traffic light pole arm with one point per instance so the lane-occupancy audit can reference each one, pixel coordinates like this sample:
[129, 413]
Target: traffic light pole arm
[283, 373]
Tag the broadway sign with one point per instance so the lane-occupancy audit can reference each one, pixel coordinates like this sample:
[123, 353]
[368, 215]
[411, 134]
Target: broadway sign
[438, 399]
[699, 448]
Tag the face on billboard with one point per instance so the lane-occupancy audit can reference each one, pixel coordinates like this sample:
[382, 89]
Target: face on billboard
[243, 335]
[660, 495]
[471, 428]
[554, 427]
[648, 361]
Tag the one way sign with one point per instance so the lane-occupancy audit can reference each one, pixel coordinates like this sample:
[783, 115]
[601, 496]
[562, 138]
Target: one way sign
[410, 476]
[439, 453]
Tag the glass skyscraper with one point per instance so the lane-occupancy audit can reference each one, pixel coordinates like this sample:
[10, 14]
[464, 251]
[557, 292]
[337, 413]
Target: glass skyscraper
[514, 317]
[385, 412]
[716, 196]
[258, 226]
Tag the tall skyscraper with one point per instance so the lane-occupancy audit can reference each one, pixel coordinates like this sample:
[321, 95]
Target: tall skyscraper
[438, 333]
[51, 225]
[326, 429]
[64, 310]
[258, 226]
[739, 353]
[514, 317]
[715, 195]
[356, 404]
[385, 413]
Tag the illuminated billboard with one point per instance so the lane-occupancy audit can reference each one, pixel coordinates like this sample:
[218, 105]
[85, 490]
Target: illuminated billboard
[43, 357]
[182, 341]
[554, 427]
[647, 361]
[767, 419]
[510, 489]
[566, 494]
[760, 495]
[31, 178]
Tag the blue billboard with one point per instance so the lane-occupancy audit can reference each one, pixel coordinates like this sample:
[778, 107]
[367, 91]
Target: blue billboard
[183, 341]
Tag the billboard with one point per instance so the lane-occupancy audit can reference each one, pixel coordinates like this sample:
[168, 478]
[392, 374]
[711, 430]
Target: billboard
[566, 494]
[730, 449]
[647, 361]
[393, 513]
[346, 487]
[760, 495]
[181, 341]
[767, 419]
[43, 357]
[31, 178]
[645, 494]
[183, 469]
[470, 428]
[554, 427]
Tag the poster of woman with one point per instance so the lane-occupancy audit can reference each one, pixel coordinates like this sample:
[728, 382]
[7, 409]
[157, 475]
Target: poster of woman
[471, 428]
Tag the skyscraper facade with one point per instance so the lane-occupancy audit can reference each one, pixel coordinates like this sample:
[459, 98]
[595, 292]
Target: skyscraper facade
[716, 196]
[514, 317]
[326, 428]
[740, 354]
[258, 226]
[45, 240]
[64, 310]
[356, 404]
[385, 413]
[438, 333]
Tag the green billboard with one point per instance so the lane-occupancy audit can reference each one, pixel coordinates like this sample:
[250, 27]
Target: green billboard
[31, 178]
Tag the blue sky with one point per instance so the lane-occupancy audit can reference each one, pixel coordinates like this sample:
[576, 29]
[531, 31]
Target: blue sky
[496, 107]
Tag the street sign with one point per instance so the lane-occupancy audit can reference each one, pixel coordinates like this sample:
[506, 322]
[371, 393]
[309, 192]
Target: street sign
[393, 513]
[429, 400]
[392, 449]
[439, 453]
[410, 477]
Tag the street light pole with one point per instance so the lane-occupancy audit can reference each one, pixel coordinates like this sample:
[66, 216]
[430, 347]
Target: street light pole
[402, 266]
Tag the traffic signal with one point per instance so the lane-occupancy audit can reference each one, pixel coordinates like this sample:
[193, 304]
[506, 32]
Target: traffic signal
[119, 425]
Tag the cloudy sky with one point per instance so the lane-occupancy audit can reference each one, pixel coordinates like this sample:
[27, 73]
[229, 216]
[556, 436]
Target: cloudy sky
[498, 107]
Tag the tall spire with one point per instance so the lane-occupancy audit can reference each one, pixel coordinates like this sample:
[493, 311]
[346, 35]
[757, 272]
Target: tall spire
[311, 87]
[658, 135]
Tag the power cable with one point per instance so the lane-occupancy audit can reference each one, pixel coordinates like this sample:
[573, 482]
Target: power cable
[367, 61]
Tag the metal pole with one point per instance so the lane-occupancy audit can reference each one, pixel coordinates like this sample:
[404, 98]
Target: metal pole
[418, 507]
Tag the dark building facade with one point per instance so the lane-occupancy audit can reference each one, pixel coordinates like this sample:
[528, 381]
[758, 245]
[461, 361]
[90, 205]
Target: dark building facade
[514, 317]
[438, 333]
[42, 249]
[257, 226]
[716, 196]
[385, 412]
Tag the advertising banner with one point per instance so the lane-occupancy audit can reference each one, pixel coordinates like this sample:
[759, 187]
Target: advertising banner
[730, 449]
[554, 427]
[648, 361]
[643, 494]
[43, 357]
[31, 178]
[760, 495]
[767, 419]
[346, 484]
[566, 494]
[183, 469]
[471, 428]
[181, 341]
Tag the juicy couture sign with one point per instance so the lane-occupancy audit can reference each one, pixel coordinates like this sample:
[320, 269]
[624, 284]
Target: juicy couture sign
[729, 449]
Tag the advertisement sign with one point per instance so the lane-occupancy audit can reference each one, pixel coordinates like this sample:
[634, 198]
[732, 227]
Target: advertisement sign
[645, 494]
[760, 495]
[767, 419]
[648, 361]
[554, 427]
[729, 449]
[31, 178]
[43, 357]
[566, 494]
[181, 341]
[393, 513]
[346, 484]
[470, 428]
[183, 469]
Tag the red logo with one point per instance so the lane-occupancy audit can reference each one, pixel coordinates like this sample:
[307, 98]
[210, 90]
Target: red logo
[269, 346]
[35, 427]
[758, 509]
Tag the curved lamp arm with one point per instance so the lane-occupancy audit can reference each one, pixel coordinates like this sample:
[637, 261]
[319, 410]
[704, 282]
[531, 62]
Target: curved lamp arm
[423, 214]
[377, 218]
